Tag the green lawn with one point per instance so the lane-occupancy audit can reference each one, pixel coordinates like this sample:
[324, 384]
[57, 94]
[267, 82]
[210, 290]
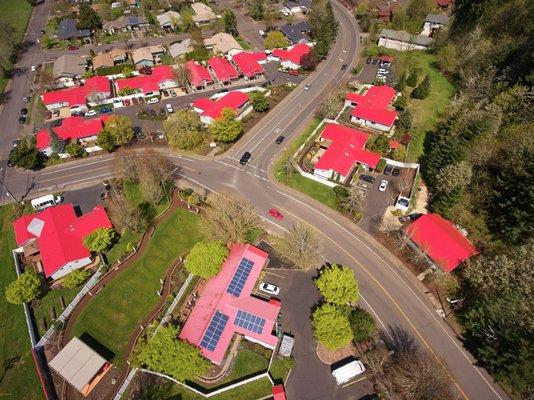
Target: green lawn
[16, 13]
[316, 190]
[244, 44]
[280, 368]
[52, 299]
[252, 391]
[20, 381]
[124, 245]
[118, 309]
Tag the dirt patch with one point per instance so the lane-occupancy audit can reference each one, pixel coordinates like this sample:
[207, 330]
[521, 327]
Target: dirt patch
[352, 350]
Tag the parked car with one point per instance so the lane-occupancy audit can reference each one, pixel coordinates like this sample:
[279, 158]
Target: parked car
[409, 217]
[383, 186]
[395, 172]
[33, 68]
[172, 93]
[307, 87]
[344, 67]
[16, 142]
[169, 108]
[91, 113]
[273, 212]
[105, 110]
[294, 72]
[127, 102]
[269, 288]
[388, 169]
[22, 119]
[55, 113]
[10, 162]
[72, 47]
[139, 134]
[262, 33]
[26, 99]
[279, 139]
[152, 100]
[24, 111]
[160, 135]
[245, 158]
[367, 178]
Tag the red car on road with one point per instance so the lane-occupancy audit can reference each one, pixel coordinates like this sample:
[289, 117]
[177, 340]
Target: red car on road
[273, 212]
[72, 47]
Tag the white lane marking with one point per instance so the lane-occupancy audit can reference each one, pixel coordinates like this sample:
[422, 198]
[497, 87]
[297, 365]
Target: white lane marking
[77, 166]
[63, 185]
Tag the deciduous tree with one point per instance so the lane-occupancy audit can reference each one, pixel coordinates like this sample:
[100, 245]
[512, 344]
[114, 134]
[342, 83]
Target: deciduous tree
[26, 155]
[275, 39]
[75, 278]
[338, 285]
[331, 327]
[120, 127]
[454, 177]
[88, 18]
[299, 246]
[184, 130]
[106, 140]
[230, 22]
[100, 240]
[331, 104]
[75, 149]
[259, 102]
[226, 128]
[206, 258]
[362, 324]
[27, 287]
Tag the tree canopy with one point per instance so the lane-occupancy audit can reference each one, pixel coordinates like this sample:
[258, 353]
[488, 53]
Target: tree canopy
[275, 39]
[100, 240]
[88, 18]
[27, 287]
[206, 258]
[299, 246]
[184, 130]
[230, 22]
[75, 278]
[362, 324]
[226, 128]
[259, 102]
[338, 285]
[120, 127]
[26, 155]
[331, 327]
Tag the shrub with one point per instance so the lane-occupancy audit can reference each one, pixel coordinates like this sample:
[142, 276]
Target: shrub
[381, 165]
[75, 278]
[362, 324]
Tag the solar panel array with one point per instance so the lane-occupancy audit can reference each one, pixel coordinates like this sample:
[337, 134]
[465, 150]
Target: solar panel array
[215, 329]
[240, 277]
[249, 321]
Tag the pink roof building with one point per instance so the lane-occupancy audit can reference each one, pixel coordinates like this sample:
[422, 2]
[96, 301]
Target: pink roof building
[77, 96]
[372, 108]
[59, 235]
[42, 141]
[198, 75]
[292, 58]
[440, 241]
[162, 77]
[345, 149]
[249, 63]
[226, 306]
[212, 109]
[223, 70]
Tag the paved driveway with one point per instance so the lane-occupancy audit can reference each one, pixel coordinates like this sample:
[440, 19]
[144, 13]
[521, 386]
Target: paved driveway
[376, 202]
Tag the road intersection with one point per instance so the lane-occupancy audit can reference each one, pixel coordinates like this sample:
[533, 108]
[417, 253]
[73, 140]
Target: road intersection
[391, 292]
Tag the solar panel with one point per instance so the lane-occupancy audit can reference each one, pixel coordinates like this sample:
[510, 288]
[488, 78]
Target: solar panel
[240, 277]
[134, 21]
[249, 321]
[214, 331]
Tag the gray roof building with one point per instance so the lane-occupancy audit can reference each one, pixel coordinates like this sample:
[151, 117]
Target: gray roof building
[67, 30]
[180, 49]
[403, 36]
[69, 66]
[296, 33]
[440, 19]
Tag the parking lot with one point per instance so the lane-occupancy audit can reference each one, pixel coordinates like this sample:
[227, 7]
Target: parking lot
[84, 200]
[376, 69]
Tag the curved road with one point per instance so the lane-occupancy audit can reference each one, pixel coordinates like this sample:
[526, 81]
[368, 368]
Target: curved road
[388, 289]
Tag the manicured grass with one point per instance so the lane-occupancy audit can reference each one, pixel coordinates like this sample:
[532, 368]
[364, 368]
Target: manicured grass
[280, 368]
[134, 195]
[20, 381]
[17, 14]
[124, 245]
[316, 190]
[244, 44]
[119, 308]
[252, 391]
[52, 299]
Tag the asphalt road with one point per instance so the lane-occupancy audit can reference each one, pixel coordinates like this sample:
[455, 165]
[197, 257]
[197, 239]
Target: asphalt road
[388, 289]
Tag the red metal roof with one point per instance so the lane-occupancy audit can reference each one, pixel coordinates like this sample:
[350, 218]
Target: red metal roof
[198, 74]
[440, 241]
[148, 83]
[248, 63]
[78, 128]
[42, 139]
[223, 70]
[213, 108]
[294, 55]
[76, 96]
[59, 233]
[373, 105]
[214, 298]
[346, 149]
[278, 392]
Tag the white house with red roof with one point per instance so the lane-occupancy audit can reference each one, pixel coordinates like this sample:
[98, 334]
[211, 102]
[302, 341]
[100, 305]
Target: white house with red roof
[93, 90]
[210, 109]
[58, 234]
[249, 63]
[161, 77]
[342, 148]
[372, 109]
[72, 128]
[223, 70]
[226, 307]
[443, 245]
[198, 75]
[292, 57]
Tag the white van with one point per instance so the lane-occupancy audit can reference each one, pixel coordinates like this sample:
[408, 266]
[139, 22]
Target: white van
[43, 202]
[348, 371]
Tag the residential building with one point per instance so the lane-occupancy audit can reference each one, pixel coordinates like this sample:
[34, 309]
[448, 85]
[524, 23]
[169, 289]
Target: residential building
[93, 91]
[249, 63]
[434, 22]
[169, 20]
[439, 241]
[147, 56]
[223, 70]
[372, 109]
[291, 7]
[110, 59]
[222, 43]
[296, 33]
[67, 68]
[292, 58]
[402, 40]
[80, 366]
[199, 77]
[57, 234]
[162, 77]
[341, 149]
[226, 307]
[181, 48]
[210, 109]
[67, 30]
[202, 14]
[126, 23]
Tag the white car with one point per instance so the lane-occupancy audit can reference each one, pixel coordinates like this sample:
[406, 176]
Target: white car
[307, 87]
[91, 113]
[269, 288]
[34, 68]
[383, 186]
[152, 100]
[169, 108]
